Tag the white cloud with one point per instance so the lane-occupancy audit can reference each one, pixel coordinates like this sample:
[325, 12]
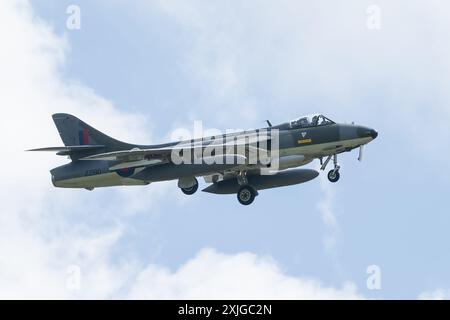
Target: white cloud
[438, 294]
[297, 57]
[213, 275]
[38, 236]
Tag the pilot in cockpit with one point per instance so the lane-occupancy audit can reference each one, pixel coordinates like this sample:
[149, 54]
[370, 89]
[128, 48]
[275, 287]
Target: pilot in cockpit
[303, 122]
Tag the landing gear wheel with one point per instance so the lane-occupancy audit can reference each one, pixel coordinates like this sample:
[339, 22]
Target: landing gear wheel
[246, 195]
[191, 190]
[333, 175]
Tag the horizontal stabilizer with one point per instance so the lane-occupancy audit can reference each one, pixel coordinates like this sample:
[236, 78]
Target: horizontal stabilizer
[69, 149]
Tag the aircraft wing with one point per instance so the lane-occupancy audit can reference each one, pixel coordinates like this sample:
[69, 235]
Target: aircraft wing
[150, 157]
[137, 154]
[66, 150]
[153, 156]
[132, 155]
[134, 158]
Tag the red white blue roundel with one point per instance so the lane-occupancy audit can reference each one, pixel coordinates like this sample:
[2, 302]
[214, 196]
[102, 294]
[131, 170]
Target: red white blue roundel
[125, 172]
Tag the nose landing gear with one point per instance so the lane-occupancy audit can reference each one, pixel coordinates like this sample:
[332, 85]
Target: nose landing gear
[333, 175]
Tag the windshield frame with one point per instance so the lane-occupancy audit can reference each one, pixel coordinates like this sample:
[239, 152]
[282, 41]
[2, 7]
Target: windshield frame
[310, 121]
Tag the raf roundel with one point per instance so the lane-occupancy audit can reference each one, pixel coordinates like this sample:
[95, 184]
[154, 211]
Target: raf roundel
[125, 172]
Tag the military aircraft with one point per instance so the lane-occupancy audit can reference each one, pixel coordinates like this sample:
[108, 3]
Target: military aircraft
[239, 163]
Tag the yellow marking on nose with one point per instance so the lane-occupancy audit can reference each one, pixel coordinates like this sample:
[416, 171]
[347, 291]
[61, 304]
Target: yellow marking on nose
[302, 141]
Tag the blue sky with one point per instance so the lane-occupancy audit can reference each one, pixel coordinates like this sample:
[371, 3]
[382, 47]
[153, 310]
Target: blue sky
[143, 69]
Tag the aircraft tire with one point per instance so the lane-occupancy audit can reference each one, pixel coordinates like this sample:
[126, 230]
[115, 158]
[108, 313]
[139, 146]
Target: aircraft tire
[246, 195]
[191, 190]
[333, 176]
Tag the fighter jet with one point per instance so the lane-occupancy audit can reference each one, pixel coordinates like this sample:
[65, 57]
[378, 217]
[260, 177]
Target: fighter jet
[241, 163]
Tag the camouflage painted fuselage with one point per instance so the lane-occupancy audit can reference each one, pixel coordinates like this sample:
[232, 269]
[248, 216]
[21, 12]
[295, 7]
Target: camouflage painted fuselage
[297, 147]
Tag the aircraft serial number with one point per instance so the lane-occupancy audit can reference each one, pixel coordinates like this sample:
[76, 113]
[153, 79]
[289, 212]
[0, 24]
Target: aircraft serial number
[92, 172]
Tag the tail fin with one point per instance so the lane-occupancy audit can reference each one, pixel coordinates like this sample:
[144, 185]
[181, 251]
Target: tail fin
[81, 140]
[75, 132]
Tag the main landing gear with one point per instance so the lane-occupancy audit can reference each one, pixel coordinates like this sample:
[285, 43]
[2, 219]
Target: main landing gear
[333, 175]
[191, 189]
[246, 194]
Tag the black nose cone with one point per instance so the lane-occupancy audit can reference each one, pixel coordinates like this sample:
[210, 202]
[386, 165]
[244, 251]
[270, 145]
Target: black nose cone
[373, 133]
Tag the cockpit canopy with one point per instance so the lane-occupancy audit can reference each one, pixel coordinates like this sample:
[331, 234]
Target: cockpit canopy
[313, 120]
